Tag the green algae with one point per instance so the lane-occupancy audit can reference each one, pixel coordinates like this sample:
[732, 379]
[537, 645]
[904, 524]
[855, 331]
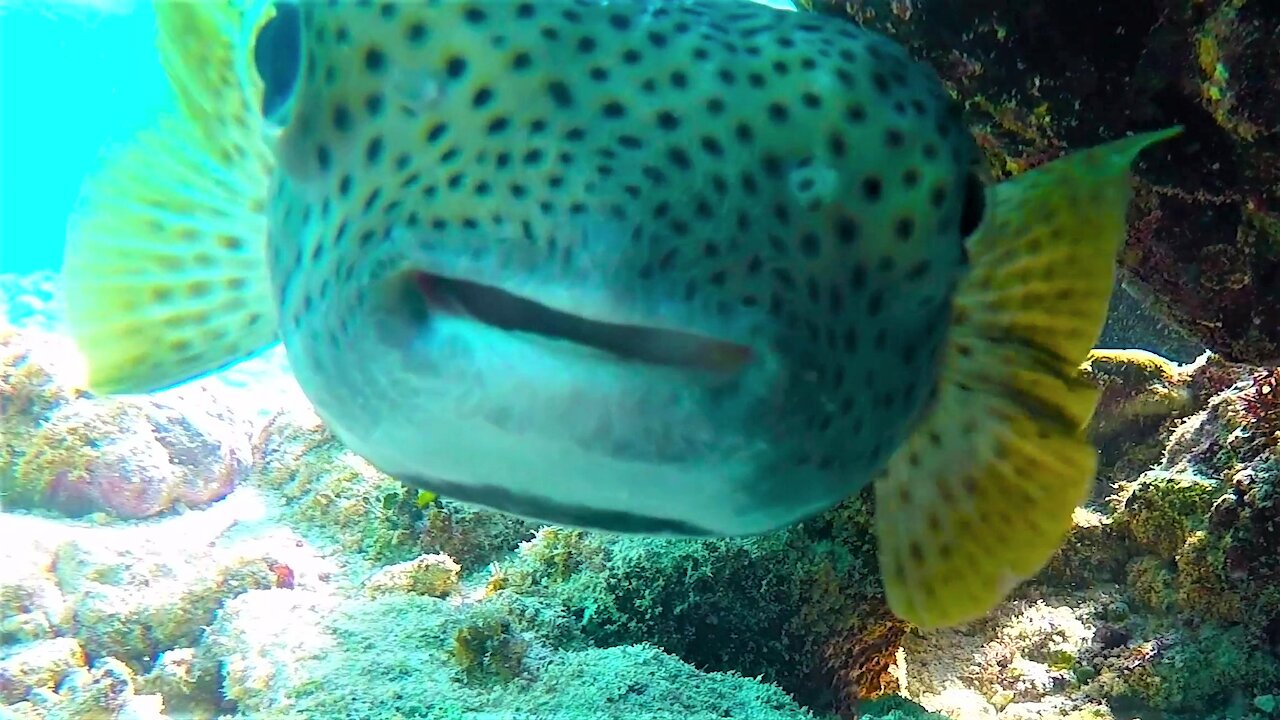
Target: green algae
[392, 659]
[330, 493]
[1161, 510]
[767, 606]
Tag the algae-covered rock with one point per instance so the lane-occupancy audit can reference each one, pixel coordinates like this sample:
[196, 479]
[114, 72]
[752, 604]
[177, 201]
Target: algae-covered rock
[141, 596]
[1021, 655]
[1160, 509]
[40, 664]
[112, 617]
[65, 451]
[1092, 553]
[892, 707]
[1141, 394]
[435, 575]
[472, 536]
[801, 608]
[1136, 384]
[106, 691]
[396, 657]
[254, 648]
[31, 603]
[1195, 536]
[331, 492]
[174, 678]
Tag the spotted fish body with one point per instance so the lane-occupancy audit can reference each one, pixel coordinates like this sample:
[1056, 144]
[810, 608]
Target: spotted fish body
[764, 178]
[677, 268]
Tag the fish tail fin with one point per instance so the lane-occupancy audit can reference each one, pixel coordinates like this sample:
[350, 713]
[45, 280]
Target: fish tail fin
[982, 493]
[165, 271]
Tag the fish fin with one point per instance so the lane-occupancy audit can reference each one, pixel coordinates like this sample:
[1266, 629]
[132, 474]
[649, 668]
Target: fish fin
[206, 50]
[982, 493]
[165, 272]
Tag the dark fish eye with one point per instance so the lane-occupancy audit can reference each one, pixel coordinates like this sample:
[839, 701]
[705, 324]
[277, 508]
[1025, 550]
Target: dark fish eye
[975, 204]
[278, 56]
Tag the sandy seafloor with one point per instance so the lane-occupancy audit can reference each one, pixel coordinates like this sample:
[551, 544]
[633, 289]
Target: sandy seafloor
[271, 574]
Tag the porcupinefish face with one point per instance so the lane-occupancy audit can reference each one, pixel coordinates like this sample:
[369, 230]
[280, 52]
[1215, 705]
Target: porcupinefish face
[662, 267]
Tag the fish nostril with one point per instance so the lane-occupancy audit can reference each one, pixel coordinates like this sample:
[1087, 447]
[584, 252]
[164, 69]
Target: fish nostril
[400, 309]
[277, 55]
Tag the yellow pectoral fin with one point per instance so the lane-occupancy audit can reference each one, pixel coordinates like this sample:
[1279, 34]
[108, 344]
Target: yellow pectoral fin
[981, 495]
[166, 274]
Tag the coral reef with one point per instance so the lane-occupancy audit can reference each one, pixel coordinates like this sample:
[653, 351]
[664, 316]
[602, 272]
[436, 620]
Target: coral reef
[1040, 77]
[801, 608]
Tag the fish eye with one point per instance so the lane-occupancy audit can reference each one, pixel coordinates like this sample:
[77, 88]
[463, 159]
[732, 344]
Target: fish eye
[277, 54]
[975, 204]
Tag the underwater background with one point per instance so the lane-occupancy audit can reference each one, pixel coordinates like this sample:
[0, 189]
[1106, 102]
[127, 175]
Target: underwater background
[211, 551]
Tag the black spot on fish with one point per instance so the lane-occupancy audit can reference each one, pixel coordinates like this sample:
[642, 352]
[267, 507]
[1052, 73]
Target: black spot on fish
[455, 67]
[613, 110]
[341, 118]
[871, 188]
[416, 33]
[560, 93]
[374, 60]
[904, 229]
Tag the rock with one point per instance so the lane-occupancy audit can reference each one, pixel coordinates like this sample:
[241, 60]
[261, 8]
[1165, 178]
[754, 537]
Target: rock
[129, 457]
[174, 677]
[113, 617]
[331, 492]
[256, 646]
[41, 664]
[1141, 394]
[106, 691]
[473, 536]
[24, 627]
[132, 459]
[958, 702]
[434, 575]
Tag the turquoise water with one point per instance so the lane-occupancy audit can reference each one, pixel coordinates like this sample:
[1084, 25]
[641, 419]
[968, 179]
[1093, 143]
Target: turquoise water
[75, 78]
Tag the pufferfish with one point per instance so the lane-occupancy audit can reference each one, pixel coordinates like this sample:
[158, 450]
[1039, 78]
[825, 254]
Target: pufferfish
[669, 267]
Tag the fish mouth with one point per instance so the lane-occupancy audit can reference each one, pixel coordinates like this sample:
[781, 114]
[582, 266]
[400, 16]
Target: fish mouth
[507, 311]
